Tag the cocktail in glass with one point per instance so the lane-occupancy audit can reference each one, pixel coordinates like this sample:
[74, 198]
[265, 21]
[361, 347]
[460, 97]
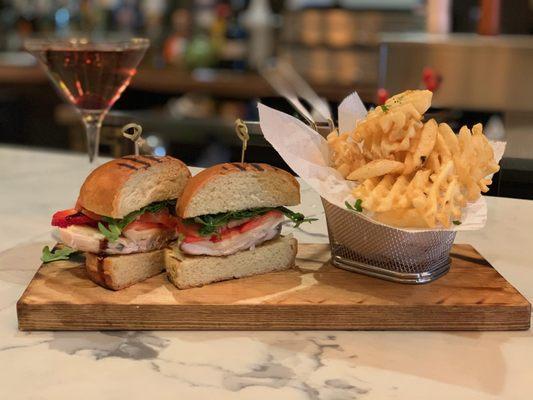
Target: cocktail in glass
[90, 74]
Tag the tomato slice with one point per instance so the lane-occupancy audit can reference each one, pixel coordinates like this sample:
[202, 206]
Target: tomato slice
[90, 214]
[142, 226]
[192, 239]
[188, 229]
[257, 221]
[66, 218]
[225, 234]
[162, 217]
[159, 220]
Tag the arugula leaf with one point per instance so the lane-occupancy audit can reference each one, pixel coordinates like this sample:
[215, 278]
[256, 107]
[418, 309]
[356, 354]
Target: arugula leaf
[384, 108]
[112, 232]
[115, 226]
[356, 207]
[211, 223]
[61, 253]
[297, 218]
[158, 206]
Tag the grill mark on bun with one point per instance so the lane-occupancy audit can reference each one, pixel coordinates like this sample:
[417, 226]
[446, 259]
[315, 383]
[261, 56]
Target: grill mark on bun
[240, 166]
[136, 159]
[186, 208]
[153, 158]
[258, 167]
[133, 167]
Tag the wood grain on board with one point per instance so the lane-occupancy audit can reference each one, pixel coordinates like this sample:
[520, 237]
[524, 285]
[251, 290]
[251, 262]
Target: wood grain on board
[315, 295]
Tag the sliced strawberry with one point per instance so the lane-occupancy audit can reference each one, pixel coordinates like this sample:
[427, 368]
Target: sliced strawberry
[66, 218]
[257, 221]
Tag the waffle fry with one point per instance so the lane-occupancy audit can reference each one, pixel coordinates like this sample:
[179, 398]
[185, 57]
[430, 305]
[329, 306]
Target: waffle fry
[376, 168]
[345, 153]
[413, 173]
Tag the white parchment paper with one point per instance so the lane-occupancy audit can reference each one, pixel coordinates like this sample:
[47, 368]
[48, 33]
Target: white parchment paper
[307, 153]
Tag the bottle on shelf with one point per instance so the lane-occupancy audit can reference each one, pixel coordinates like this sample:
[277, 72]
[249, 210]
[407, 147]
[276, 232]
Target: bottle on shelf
[259, 21]
[200, 51]
[233, 53]
[177, 40]
[220, 27]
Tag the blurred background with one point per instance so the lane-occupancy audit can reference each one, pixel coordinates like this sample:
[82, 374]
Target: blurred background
[203, 69]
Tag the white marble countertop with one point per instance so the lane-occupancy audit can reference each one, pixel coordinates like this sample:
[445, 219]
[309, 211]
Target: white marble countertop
[245, 365]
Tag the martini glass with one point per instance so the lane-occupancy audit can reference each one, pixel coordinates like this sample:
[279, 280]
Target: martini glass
[90, 74]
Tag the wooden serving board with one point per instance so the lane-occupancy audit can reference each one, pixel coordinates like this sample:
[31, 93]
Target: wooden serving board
[315, 295]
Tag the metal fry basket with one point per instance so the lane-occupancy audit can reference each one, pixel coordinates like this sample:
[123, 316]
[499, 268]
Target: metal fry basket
[362, 246]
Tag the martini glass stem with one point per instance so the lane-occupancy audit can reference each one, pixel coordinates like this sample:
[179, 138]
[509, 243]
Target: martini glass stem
[93, 125]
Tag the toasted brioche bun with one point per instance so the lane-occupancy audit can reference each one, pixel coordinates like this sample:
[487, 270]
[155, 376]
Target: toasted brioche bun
[236, 186]
[119, 272]
[127, 184]
[191, 271]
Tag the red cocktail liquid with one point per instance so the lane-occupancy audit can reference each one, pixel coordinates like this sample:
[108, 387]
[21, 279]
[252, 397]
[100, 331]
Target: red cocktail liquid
[90, 74]
[92, 79]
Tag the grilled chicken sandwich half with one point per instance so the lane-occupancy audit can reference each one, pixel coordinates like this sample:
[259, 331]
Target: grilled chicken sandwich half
[124, 217]
[230, 218]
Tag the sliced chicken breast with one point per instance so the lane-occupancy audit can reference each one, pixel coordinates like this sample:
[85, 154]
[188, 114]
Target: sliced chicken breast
[89, 239]
[237, 242]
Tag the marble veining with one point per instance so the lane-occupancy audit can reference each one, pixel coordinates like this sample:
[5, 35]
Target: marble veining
[245, 365]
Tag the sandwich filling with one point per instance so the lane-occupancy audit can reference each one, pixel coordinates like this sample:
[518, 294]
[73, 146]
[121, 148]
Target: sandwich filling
[150, 228]
[227, 233]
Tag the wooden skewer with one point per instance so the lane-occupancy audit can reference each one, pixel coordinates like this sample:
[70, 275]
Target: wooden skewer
[133, 132]
[242, 133]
